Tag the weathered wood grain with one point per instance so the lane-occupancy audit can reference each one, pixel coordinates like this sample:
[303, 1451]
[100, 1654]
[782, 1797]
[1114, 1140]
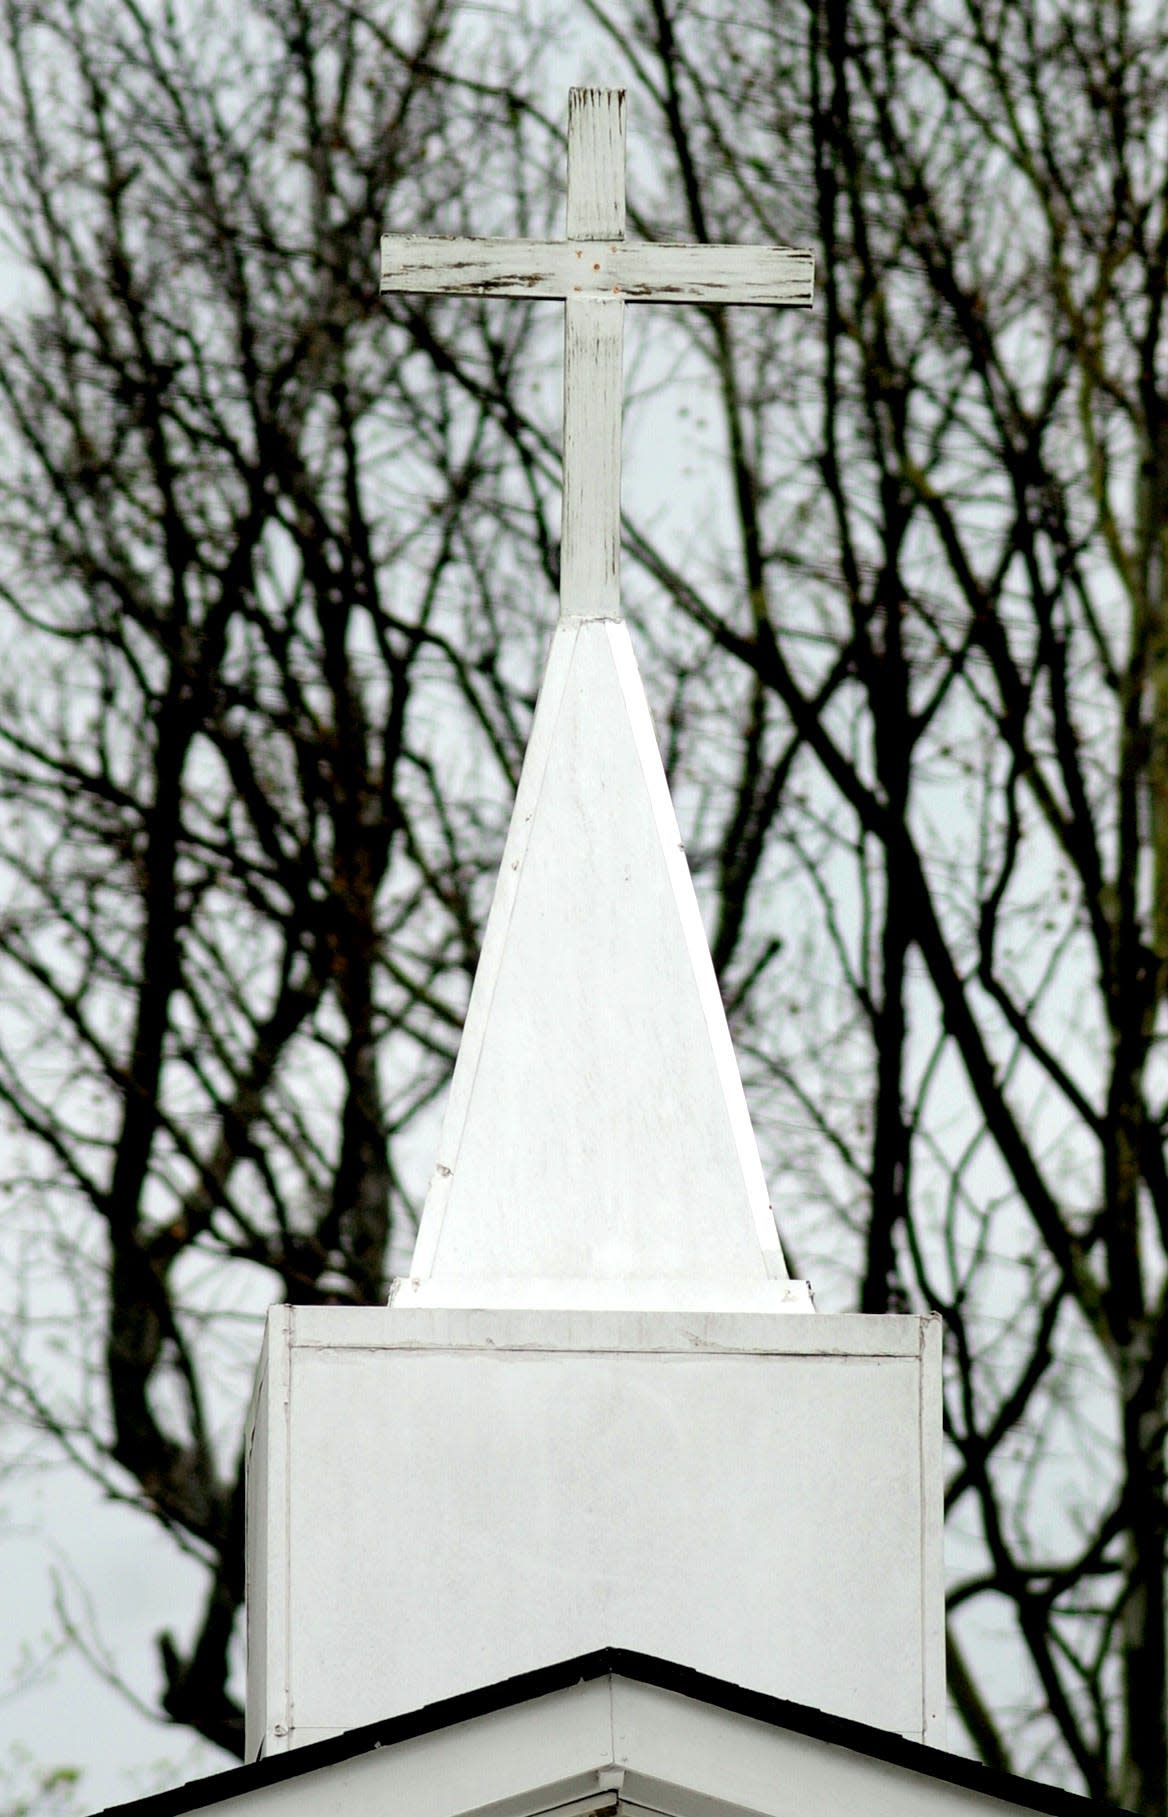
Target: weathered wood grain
[593, 391]
[595, 271]
[593, 358]
[596, 164]
[638, 272]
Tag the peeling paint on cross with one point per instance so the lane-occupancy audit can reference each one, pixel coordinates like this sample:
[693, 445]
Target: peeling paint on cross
[595, 271]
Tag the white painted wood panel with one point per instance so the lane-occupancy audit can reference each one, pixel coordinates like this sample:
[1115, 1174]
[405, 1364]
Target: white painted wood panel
[597, 1129]
[596, 164]
[684, 1759]
[593, 359]
[479, 1495]
[845, 1336]
[265, 1547]
[593, 387]
[538, 1757]
[638, 271]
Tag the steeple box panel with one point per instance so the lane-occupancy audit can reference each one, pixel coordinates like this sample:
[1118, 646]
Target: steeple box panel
[442, 1498]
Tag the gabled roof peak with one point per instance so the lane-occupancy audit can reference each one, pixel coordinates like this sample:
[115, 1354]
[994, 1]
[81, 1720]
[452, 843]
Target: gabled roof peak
[622, 1733]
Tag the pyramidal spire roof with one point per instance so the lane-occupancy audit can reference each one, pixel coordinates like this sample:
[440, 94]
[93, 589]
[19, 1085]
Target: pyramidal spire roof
[597, 1150]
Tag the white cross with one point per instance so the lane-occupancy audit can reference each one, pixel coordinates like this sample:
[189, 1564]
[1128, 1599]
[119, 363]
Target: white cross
[595, 270]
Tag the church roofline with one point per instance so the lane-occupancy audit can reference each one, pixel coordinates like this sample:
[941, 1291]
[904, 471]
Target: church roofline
[857, 1738]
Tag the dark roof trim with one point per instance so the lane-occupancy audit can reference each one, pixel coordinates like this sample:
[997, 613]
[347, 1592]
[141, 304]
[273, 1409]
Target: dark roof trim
[797, 1718]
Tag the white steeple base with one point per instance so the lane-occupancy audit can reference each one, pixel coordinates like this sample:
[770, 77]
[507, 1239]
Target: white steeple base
[439, 1499]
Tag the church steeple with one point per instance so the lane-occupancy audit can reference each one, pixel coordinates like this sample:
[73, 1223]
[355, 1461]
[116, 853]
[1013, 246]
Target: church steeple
[597, 1149]
[582, 1423]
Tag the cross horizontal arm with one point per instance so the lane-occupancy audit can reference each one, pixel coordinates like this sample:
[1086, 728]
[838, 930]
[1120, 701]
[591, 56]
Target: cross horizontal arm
[637, 271]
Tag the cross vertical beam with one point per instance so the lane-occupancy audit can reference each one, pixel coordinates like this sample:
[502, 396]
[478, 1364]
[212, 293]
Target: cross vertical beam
[595, 271]
[593, 364]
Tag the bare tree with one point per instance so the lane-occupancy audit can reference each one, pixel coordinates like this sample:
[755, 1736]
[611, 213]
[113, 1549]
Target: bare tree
[906, 641]
[941, 587]
[259, 731]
